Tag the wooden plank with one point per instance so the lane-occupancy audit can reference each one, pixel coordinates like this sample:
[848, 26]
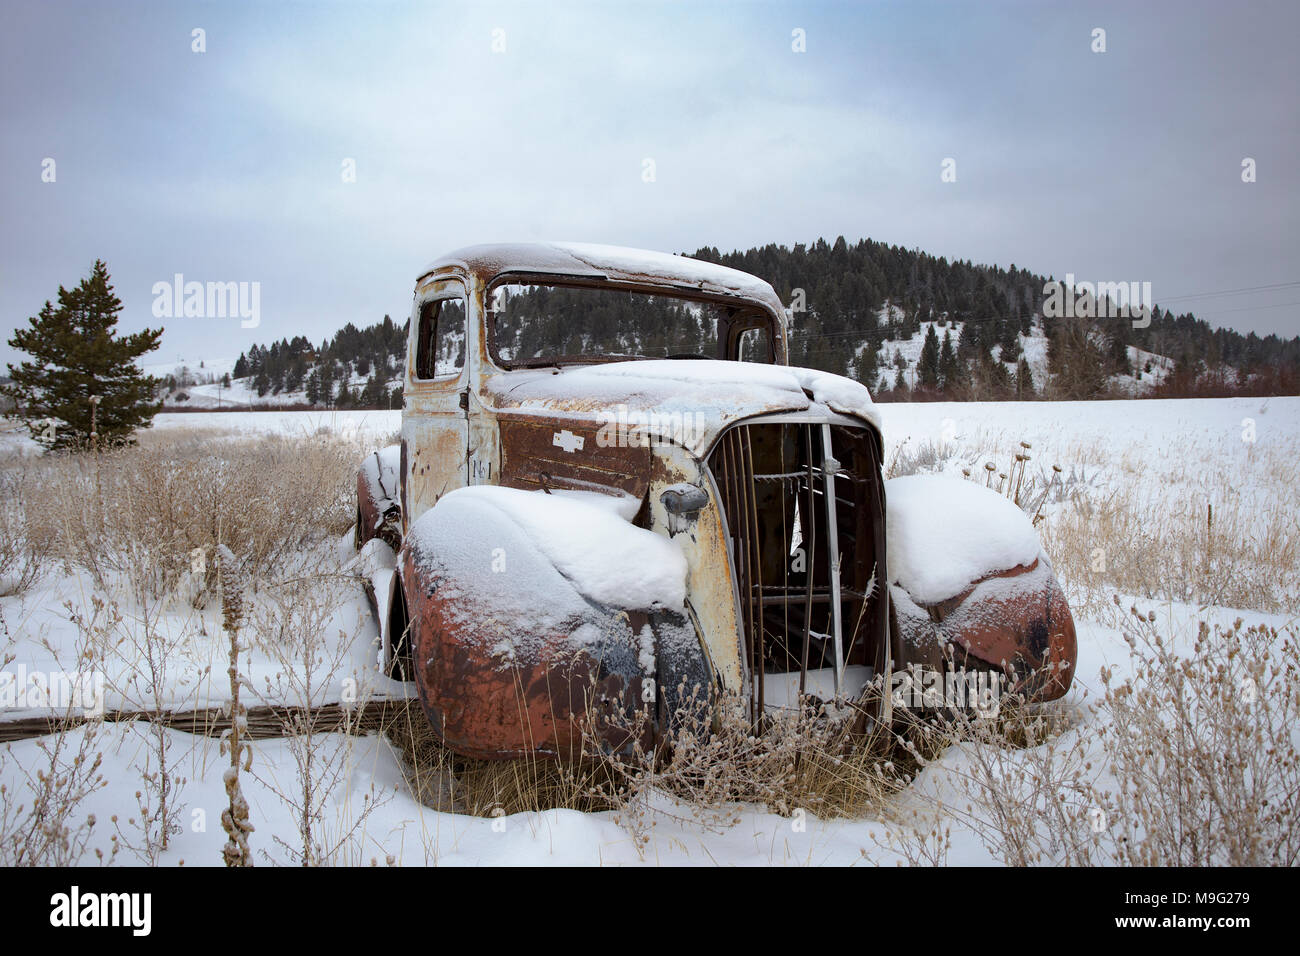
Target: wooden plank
[263, 721]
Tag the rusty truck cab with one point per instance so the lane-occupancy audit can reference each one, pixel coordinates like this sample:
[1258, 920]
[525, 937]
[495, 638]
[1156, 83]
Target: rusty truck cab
[787, 546]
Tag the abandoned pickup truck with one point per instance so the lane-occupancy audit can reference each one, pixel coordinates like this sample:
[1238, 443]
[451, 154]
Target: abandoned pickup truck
[613, 492]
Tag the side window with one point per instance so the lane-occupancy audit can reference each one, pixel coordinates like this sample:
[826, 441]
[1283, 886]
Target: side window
[440, 347]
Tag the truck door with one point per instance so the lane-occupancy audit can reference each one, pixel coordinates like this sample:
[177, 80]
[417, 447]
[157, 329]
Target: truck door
[435, 432]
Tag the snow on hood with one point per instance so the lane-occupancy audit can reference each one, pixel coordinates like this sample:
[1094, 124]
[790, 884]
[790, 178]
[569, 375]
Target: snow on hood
[712, 393]
[944, 534]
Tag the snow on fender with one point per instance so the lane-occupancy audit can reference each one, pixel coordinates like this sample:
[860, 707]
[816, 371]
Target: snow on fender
[536, 618]
[967, 571]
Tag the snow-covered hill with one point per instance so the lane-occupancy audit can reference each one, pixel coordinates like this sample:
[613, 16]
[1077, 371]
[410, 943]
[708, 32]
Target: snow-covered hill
[1150, 369]
[200, 385]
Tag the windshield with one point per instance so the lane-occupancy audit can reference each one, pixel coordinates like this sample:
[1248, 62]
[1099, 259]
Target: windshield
[549, 324]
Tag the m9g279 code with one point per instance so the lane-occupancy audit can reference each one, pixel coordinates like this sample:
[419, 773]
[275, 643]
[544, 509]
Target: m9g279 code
[1223, 897]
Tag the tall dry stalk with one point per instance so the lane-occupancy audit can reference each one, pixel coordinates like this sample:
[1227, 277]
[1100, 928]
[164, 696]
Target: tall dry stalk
[235, 818]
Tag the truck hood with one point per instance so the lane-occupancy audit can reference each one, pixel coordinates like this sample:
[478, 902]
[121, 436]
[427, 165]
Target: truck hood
[688, 401]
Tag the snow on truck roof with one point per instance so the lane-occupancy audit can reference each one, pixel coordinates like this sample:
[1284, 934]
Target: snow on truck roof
[605, 262]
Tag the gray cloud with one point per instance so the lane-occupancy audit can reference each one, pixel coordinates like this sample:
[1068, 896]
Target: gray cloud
[226, 165]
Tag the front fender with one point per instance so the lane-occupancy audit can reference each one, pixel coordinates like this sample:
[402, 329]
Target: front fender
[972, 587]
[513, 658]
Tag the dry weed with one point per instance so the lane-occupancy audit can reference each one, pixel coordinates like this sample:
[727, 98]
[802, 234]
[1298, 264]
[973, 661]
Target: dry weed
[151, 518]
[1202, 749]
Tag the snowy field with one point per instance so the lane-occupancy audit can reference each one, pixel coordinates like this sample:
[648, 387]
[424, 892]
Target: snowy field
[349, 423]
[1234, 457]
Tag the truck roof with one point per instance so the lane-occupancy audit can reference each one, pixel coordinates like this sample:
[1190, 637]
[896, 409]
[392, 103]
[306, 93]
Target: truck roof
[604, 262]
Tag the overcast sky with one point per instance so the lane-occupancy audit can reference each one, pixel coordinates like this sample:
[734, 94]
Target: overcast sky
[227, 165]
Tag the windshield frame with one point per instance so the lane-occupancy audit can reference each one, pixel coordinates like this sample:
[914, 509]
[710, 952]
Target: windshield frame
[738, 315]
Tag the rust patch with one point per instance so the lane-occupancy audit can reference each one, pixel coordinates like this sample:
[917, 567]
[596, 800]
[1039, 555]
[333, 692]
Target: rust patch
[556, 452]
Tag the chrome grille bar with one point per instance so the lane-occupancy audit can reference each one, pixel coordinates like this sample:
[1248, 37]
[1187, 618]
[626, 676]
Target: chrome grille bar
[830, 468]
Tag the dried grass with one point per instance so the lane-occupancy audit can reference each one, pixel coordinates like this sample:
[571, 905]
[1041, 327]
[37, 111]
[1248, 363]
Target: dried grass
[712, 761]
[150, 519]
[1237, 554]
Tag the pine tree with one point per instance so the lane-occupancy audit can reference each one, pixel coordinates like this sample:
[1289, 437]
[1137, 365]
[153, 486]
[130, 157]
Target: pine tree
[949, 372]
[867, 362]
[1024, 380]
[326, 394]
[1010, 341]
[297, 372]
[927, 369]
[998, 378]
[1120, 331]
[1076, 362]
[374, 394]
[970, 343]
[82, 374]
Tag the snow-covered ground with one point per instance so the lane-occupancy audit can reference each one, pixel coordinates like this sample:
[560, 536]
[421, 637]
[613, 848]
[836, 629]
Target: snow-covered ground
[1156, 428]
[1172, 449]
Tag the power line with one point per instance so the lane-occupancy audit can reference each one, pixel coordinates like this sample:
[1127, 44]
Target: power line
[1242, 291]
[1253, 308]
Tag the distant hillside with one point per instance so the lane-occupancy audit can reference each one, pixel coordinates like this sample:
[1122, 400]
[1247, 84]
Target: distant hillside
[907, 324]
[882, 296]
[357, 368]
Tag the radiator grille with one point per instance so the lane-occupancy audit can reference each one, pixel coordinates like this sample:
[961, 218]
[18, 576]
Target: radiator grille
[809, 577]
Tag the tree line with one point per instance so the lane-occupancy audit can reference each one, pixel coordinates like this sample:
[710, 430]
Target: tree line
[837, 290]
[325, 372]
